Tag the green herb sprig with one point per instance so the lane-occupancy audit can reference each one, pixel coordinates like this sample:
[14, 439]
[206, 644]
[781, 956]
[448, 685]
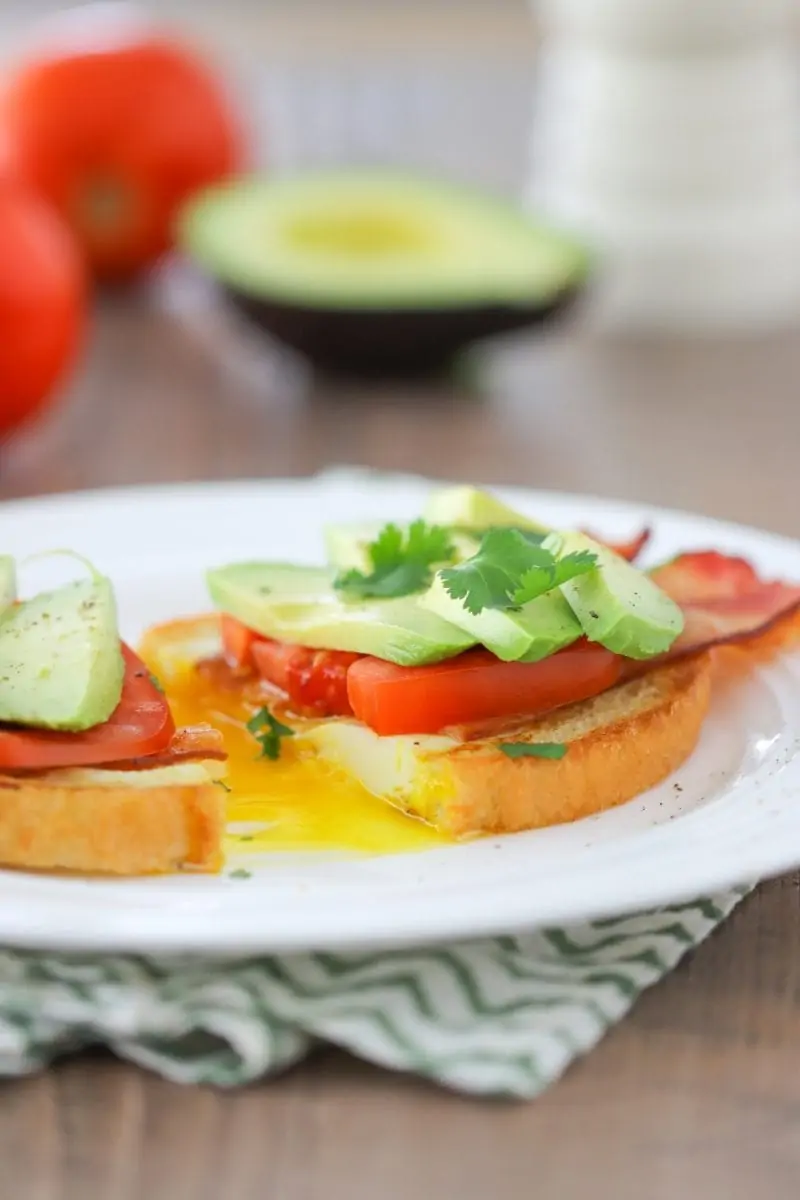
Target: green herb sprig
[509, 570]
[268, 732]
[533, 749]
[402, 563]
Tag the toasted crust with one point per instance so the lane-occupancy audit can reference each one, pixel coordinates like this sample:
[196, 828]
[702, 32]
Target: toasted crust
[619, 744]
[115, 830]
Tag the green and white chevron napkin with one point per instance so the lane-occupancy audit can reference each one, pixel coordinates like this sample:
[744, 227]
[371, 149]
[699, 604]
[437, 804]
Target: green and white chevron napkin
[501, 1017]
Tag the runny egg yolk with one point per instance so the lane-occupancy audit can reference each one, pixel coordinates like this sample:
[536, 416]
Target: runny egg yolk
[297, 803]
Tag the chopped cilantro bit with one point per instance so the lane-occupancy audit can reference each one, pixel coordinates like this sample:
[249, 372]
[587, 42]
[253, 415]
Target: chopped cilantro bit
[533, 749]
[509, 570]
[156, 682]
[240, 873]
[268, 731]
[535, 582]
[401, 563]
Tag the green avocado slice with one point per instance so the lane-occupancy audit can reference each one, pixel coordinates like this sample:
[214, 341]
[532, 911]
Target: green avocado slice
[61, 664]
[472, 508]
[618, 605]
[530, 633]
[299, 604]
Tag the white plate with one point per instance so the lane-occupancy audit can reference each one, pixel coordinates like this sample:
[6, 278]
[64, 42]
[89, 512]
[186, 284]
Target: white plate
[730, 815]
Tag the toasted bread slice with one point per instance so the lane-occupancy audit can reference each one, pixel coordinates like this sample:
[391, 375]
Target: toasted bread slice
[98, 821]
[619, 744]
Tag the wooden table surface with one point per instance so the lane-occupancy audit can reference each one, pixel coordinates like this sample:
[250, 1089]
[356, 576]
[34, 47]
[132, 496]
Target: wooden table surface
[697, 1092]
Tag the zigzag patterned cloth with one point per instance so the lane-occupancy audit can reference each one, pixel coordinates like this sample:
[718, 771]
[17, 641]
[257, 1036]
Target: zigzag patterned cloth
[502, 1017]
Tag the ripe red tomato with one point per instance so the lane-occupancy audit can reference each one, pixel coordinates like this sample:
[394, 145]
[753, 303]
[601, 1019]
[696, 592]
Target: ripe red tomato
[140, 725]
[117, 126]
[42, 303]
[315, 680]
[475, 687]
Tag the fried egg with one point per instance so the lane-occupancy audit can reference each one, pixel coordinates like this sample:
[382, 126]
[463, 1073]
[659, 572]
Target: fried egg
[306, 800]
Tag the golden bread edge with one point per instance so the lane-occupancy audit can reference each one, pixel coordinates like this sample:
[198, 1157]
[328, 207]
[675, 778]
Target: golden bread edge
[639, 743]
[47, 825]
[608, 766]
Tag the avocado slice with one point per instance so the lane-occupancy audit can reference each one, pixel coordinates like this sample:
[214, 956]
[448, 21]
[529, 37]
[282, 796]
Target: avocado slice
[371, 271]
[61, 665]
[466, 511]
[474, 509]
[617, 605]
[8, 581]
[299, 604]
[530, 633]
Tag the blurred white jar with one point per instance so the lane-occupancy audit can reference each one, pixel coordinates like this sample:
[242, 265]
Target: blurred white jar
[668, 131]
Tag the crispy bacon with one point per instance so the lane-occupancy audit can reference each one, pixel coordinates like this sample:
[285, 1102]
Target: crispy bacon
[723, 599]
[631, 549]
[194, 743]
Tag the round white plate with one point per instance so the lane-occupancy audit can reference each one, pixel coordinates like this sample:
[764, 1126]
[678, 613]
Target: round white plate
[730, 815]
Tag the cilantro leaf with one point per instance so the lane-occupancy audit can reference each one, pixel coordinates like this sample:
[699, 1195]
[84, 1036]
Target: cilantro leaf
[268, 731]
[534, 536]
[490, 577]
[538, 580]
[401, 580]
[509, 570]
[533, 749]
[429, 543]
[401, 563]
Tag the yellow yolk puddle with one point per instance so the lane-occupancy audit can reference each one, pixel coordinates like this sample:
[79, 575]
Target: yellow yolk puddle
[297, 803]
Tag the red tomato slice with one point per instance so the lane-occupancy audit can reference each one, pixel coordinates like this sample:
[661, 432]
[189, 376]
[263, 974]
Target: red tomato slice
[314, 680]
[473, 687]
[140, 725]
[237, 641]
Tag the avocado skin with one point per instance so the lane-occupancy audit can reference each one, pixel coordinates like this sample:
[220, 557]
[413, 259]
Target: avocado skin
[371, 343]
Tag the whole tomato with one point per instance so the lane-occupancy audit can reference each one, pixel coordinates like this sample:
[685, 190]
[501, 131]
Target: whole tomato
[42, 303]
[116, 125]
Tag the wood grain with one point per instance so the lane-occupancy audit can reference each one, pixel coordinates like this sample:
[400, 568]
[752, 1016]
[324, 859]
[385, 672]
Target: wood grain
[697, 1093]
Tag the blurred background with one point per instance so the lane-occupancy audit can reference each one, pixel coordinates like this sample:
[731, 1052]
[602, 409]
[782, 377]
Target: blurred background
[595, 306]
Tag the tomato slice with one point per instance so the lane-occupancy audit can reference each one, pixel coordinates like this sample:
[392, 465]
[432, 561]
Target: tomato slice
[314, 680]
[237, 641]
[474, 687]
[140, 725]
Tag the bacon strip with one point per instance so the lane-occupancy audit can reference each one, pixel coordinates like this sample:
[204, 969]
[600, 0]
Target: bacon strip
[194, 743]
[631, 549]
[723, 600]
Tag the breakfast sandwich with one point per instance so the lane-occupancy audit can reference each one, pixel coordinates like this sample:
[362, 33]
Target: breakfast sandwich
[94, 775]
[476, 670]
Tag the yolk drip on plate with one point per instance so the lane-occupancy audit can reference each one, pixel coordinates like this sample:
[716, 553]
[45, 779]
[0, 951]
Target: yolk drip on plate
[298, 802]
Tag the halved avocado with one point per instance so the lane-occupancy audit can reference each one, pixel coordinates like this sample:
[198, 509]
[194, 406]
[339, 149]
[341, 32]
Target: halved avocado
[377, 272]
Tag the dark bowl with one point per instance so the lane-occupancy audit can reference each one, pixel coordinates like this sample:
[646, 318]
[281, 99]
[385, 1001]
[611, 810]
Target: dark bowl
[372, 343]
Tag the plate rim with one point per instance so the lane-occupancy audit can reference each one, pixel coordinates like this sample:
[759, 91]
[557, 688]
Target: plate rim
[778, 855]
